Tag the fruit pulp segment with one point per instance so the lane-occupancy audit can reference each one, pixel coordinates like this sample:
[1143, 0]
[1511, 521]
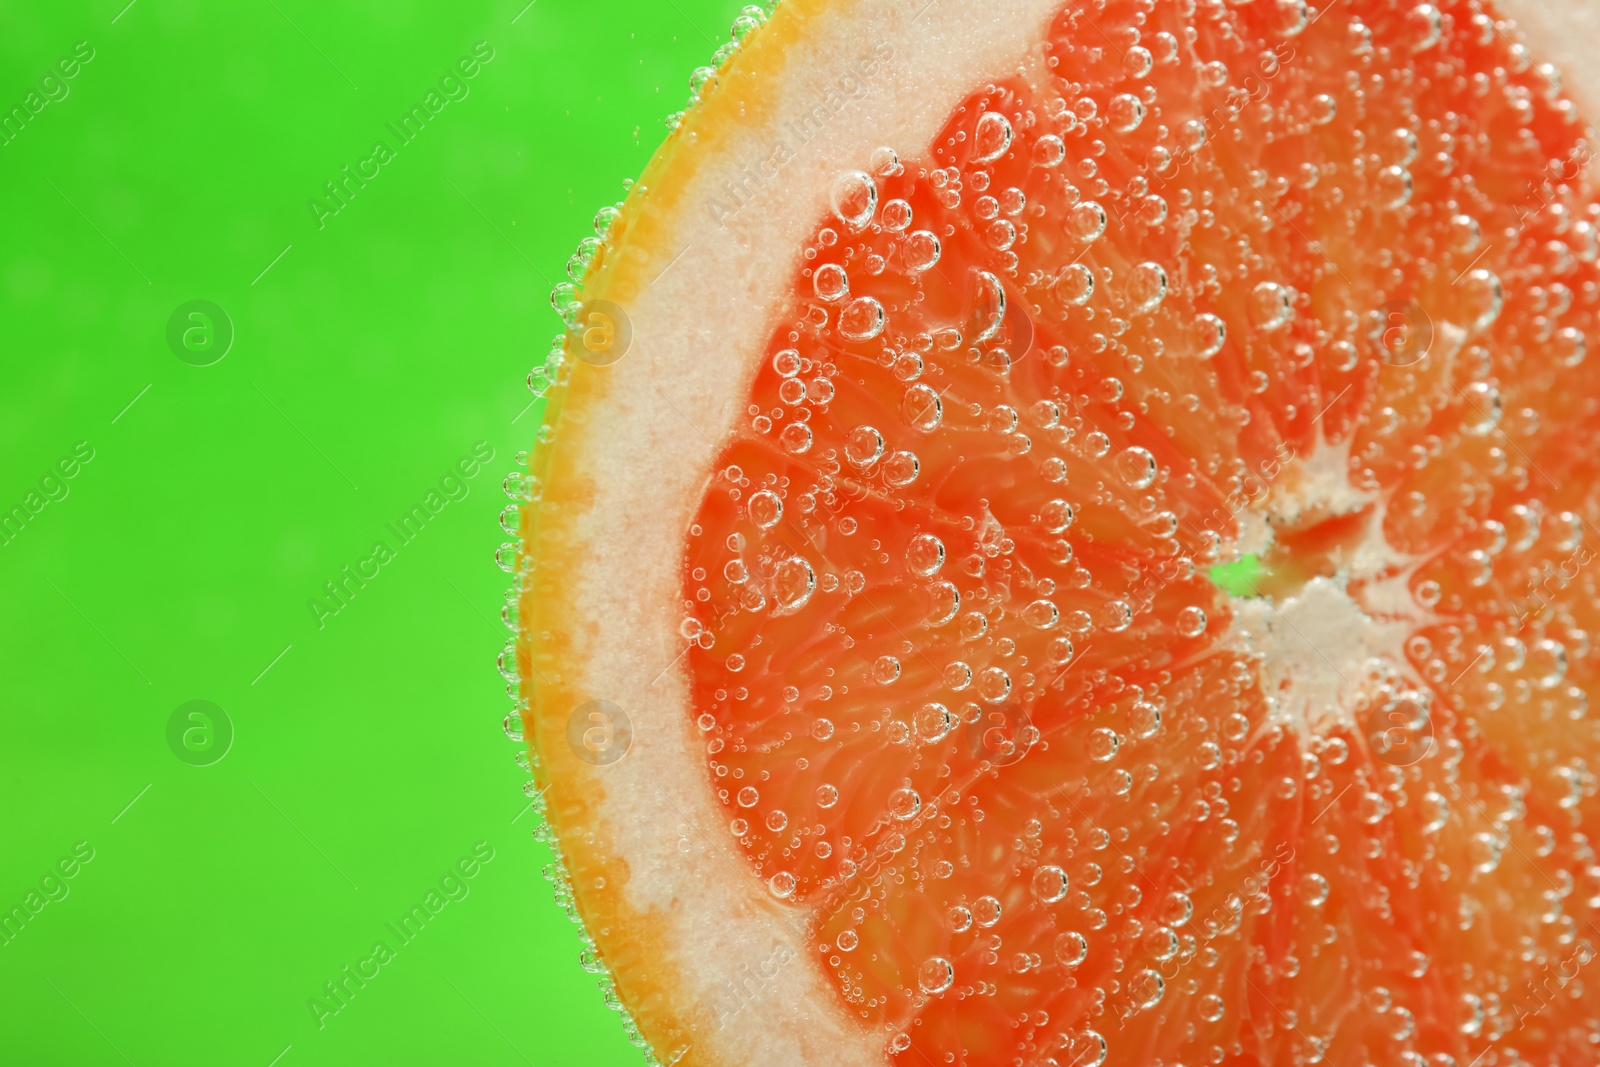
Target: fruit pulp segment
[1207, 280]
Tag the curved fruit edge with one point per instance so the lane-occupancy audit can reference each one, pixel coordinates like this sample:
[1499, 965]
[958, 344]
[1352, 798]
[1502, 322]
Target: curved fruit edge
[600, 269]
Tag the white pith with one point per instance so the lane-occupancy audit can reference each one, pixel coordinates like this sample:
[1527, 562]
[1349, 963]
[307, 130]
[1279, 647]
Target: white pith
[699, 331]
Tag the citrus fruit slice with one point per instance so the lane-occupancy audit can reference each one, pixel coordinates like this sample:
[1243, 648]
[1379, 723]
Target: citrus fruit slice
[1065, 534]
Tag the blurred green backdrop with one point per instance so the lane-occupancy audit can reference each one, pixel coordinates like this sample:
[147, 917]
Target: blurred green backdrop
[221, 388]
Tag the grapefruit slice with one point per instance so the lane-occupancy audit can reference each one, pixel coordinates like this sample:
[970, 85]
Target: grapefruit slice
[1065, 534]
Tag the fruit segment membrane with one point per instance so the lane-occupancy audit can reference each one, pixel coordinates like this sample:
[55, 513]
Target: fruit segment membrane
[1144, 613]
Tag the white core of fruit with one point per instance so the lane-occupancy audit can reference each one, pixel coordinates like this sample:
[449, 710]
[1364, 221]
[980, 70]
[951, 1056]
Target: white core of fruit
[1314, 647]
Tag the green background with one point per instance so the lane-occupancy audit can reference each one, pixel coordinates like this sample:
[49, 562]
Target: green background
[369, 356]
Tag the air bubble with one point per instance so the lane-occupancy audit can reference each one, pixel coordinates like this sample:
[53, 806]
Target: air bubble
[603, 220]
[934, 722]
[1393, 186]
[1147, 987]
[863, 447]
[1405, 145]
[1465, 234]
[1071, 948]
[1102, 744]
[1041, 615]
[922, 408]
[989, 309]
[1314, 889]
[1571, 347]
[854, 198]
[1426, 25]
[901, 469]
[904, 803]
[830, 283]
[935, 975]
[861, 319]
[1483, 407]
[1049, 884]
[1271, 305]
[1124, 113]
[1290, 16]
[793, 584]
[1484, 850]
[1136, 467]
[994, 685]
[885, 162]
[944, 600]
[991, 137]
[1056, 516]
[1213, 334]
[1547, 663]
[896, 215]
[765, 509]
[1145, 720]
[1147, 287]
[1086, 220]
[795, 438]
[1087, 1049]
[1074, 285]
[921, 250]
[925, 555]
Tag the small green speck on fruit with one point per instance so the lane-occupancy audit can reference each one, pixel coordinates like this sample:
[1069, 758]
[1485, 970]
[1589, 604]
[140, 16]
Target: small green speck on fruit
[1239, 577]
